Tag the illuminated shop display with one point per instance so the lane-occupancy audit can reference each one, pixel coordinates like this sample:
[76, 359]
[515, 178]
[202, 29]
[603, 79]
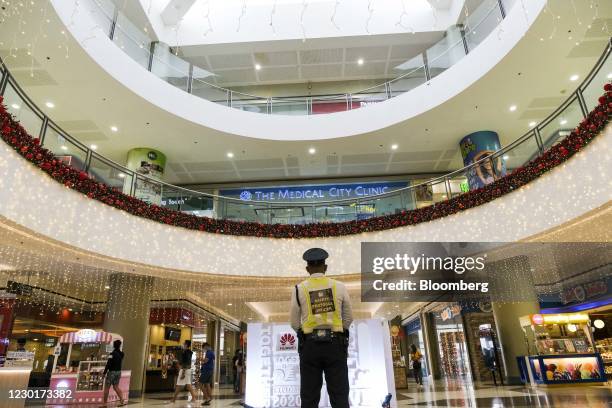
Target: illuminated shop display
[273, 373]
[561, 348]
[78, 366]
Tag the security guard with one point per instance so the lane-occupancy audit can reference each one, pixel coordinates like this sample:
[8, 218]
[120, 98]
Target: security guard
[321, 315]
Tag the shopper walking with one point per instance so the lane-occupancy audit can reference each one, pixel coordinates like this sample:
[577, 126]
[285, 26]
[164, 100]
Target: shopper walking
[415, 359]
[112, 373]
[206, 373]
[237, 366]
[321, 315]
[185, 377]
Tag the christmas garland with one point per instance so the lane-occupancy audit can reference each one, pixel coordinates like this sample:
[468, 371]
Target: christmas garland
[17, 137]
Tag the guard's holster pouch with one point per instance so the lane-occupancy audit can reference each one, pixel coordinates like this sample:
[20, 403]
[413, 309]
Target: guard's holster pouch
[322, 336]
[301, 339]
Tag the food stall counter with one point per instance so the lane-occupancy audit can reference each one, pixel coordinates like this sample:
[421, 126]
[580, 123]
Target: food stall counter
[561, 350]
[78, 367]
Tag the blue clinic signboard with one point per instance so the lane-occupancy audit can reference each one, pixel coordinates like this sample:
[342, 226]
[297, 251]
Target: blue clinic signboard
[325, 192]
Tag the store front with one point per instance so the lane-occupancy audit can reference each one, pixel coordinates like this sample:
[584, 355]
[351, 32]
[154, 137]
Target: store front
[561, 350]
[37, 329]
[168, 330]
[414, 335]
[452, 346]
[592, 297]
[482, 342]
[229, 344]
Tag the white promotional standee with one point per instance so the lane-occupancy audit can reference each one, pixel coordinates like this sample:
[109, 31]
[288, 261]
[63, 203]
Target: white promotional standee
[273, 366]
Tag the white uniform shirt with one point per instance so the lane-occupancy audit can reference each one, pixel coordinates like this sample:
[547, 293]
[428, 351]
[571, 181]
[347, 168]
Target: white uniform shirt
[300, 314]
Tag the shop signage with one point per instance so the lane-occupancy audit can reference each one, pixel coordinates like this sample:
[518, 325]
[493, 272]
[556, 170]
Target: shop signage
[20, 355]
[582, 292]
[450, 312]
[314, 192]
[539, 319]
[20, 289]
[85, 336]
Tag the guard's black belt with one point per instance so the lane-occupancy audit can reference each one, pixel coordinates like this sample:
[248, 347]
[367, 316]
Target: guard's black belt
[323, 333]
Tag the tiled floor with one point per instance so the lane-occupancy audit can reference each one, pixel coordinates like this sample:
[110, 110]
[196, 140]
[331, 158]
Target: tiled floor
[441, 394]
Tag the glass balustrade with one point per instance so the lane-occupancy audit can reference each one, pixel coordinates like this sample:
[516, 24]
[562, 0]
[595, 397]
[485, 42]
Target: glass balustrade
[164, 62]
[418, 194]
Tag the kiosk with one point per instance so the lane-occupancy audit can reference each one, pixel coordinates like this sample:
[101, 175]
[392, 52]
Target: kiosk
[78, 366]
[561, 350]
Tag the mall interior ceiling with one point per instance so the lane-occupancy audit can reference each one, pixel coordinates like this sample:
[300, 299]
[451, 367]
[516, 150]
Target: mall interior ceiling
[89, 110]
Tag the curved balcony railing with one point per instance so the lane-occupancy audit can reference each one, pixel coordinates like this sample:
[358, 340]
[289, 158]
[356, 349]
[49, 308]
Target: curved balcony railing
[159, 59]
[532, 144]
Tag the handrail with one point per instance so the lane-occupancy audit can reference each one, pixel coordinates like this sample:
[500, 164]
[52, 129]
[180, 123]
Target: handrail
[384, 88]
[532, 134]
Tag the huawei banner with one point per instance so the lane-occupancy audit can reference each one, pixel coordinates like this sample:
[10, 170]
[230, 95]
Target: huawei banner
[273, 366]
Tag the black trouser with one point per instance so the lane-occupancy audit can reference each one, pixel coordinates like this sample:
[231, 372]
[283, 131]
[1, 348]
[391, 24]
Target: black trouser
[317, 359]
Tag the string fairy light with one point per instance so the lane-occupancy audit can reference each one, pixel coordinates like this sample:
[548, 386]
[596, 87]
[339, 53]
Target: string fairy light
[209, 27]
[370, 14]
[243, 11]
[404, 14]
[334, 13]
[304, 7]
[272, 14]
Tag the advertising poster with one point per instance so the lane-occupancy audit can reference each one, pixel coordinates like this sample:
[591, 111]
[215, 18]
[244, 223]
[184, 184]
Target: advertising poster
[477, 146]
[570, 369]
[273, 375]
[150, 163]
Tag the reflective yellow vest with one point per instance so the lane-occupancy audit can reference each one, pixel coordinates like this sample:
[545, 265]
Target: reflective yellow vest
[322, 305]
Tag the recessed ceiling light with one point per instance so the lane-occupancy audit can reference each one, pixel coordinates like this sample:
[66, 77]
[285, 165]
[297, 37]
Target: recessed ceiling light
[93, 147]
[106, 287]
[121, 175]
[50, 105]
[230, 155]
[64, 148]
[394, 146]
[505, 157]
[257, 67]
[312, 150]
[512, 108]
[574, 77]
[114, 128]
[563, 121]
[360, 61]
[532, 124]
[15, 106]
[229, 304]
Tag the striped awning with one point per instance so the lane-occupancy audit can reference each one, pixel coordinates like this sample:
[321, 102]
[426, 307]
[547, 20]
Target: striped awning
[87, 336]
